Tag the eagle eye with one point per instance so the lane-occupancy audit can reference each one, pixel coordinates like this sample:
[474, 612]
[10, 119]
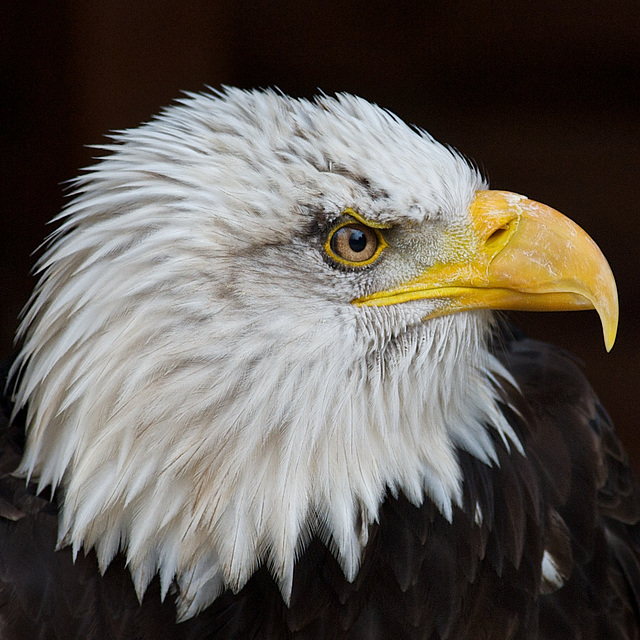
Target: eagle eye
[355, 244]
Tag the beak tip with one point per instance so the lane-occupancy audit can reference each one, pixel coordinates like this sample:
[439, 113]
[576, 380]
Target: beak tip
[609, 329]
[609, 312]
[610, 336]
[608, 343]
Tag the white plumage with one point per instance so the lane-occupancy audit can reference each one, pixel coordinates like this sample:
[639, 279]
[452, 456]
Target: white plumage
[199, 384]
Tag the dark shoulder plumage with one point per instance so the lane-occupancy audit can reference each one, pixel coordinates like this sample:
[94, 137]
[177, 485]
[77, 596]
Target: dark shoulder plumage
[589, 490]
[545, 545]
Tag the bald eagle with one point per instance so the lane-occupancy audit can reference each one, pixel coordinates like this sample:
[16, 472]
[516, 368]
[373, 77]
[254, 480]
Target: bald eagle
[262, 392]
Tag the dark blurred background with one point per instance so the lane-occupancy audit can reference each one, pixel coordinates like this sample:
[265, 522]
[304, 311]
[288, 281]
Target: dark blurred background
[545, 96]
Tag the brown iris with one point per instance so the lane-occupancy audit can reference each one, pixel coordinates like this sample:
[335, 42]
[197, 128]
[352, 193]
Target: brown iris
[354, 242]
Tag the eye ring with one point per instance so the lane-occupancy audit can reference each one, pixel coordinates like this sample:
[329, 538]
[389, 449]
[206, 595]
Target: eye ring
[354, 244]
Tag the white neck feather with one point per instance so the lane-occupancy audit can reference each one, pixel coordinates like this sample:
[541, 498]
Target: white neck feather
[202, 464]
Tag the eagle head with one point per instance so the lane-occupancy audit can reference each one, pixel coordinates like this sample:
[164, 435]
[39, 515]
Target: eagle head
[257, 316]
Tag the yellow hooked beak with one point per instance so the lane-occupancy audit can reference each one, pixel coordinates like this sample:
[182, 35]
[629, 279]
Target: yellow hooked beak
[520, 255]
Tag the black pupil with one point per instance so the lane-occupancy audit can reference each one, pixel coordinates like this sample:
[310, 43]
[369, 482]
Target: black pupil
[357, 240]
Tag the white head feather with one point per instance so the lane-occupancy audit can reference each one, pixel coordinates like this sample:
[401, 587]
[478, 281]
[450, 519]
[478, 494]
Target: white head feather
[197, 379]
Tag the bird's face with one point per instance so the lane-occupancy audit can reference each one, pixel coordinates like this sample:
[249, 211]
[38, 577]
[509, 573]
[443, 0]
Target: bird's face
[259, 316]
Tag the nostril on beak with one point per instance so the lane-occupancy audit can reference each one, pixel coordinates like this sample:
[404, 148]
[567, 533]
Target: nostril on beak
[498, 233]
[500, 236]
